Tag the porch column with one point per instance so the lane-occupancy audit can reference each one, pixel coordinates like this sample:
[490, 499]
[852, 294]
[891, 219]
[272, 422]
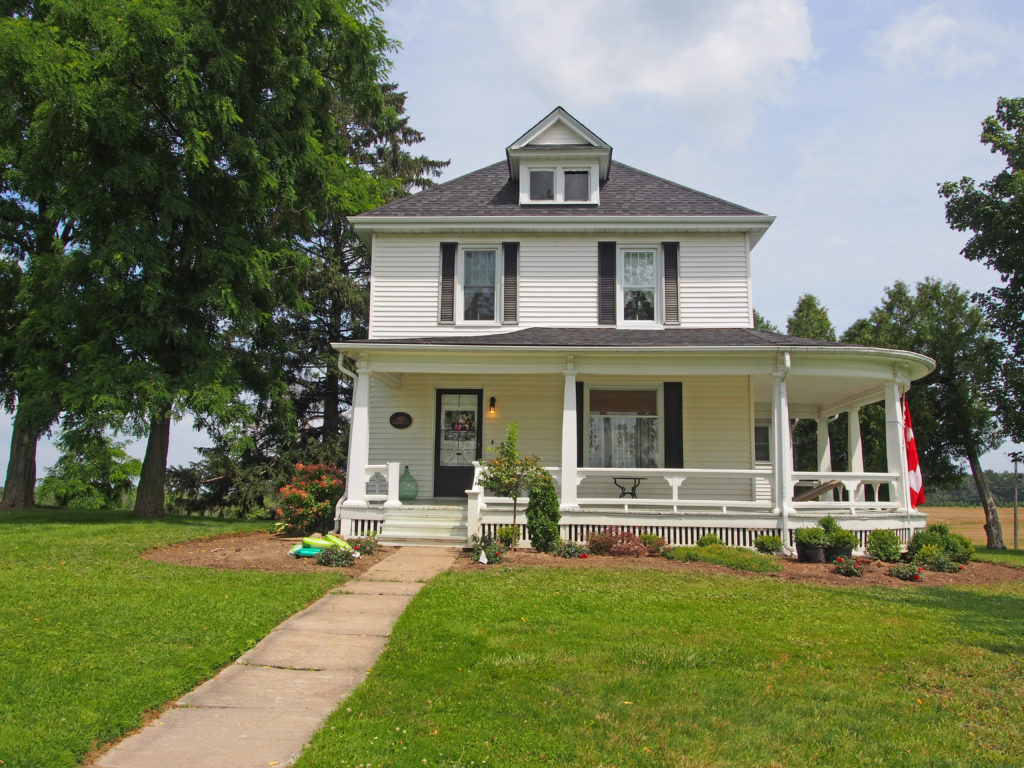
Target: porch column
[895, 450]
[824, 447]
[358, 442]
[568, 495]
[782, 471]
[855, 448]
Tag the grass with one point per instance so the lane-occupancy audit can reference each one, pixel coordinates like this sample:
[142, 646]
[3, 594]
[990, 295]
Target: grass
[1011, 557]
[548, 667]
[94, 637]
[731, 557]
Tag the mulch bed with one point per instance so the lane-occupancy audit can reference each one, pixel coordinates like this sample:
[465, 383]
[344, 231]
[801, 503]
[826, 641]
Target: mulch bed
[812, 573]
[261, 551]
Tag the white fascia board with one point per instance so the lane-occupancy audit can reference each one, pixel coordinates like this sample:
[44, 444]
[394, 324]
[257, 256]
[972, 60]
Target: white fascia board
[866, 362]
[556, 115]
[756, 226]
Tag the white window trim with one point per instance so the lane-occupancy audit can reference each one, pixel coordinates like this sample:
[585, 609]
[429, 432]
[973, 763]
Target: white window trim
[629, 387]
[659, 287]
[460, 271]
[593, 169]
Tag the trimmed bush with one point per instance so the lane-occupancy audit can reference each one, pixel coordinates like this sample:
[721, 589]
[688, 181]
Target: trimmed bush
[767, 545]
[841, 539]
[829, 525]
[935, 558]
[709, 540]
[884, 545]
[336, 557]
[507, 535]
[654, 543]
[542, 514]
[809, 537]
[956, 547]
[615, 541]
[731, 557]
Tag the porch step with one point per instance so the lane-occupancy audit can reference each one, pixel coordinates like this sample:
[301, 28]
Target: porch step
[424, 527]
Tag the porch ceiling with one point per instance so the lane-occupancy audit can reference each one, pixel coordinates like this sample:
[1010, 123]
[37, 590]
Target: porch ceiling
[814, 396]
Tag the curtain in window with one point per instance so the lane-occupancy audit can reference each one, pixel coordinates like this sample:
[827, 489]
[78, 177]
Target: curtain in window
[623, 441]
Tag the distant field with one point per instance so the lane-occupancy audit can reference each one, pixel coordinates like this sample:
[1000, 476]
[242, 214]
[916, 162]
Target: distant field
[970, 521]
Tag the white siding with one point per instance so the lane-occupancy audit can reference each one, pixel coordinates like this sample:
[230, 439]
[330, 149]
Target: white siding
[533, 402]
[558, 133]
[716, 434]
[714, 281]
[557, 282]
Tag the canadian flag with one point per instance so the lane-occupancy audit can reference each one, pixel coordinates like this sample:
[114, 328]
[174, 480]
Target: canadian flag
[913, 465]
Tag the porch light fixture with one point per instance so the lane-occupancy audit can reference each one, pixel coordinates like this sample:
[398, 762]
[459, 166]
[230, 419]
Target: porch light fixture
[490, 409]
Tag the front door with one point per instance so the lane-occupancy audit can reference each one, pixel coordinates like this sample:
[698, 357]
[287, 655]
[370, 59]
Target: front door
[457, 442]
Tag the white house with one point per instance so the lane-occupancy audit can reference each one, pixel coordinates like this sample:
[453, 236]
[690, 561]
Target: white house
[608, 313]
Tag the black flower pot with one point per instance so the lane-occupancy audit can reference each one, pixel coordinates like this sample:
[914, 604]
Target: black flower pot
[831, 553]
[807, 554]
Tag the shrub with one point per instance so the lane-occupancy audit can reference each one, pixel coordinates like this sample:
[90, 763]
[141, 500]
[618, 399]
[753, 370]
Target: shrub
[957, 548]
[841, 539]
[489, 546]
[653, 542]
[935, 558]
[508, 535]
[708, 540]
[615, 541]
[884, 545]
[906, 571]
[848, 566]
[364, 545]
[731, 557]
[809, 537]
[336, 557]
[767, 545]
[542, 514]
[307, 502]
[569, 550]
[829, 525]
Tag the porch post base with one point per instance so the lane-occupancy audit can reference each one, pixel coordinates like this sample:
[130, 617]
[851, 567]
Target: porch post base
[354, 504]
[391, 505]
[570, 508]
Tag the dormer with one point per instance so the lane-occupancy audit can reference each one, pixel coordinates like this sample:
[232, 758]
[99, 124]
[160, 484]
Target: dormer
[559, 161]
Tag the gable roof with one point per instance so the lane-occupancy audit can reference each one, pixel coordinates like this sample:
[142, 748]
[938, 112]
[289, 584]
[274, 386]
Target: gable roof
[561, 131]
[627, 192]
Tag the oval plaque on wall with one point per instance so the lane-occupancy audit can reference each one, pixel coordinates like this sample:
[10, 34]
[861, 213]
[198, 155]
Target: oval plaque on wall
[400, 420]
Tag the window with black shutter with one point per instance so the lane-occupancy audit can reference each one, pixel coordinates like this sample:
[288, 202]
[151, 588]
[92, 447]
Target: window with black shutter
[510, 284]
[606, 309]
[447, 307]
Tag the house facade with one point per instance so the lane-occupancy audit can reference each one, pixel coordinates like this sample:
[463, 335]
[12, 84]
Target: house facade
[608, 313]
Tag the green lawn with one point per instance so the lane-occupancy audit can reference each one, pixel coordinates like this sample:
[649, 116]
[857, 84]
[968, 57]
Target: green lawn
[92, 636]
[554, 667]
[1011, 557]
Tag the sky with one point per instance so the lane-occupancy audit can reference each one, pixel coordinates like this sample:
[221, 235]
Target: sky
[838, 118]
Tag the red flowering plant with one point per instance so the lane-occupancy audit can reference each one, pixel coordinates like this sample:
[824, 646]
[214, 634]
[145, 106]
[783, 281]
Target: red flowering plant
[307, 501]
[848, 566]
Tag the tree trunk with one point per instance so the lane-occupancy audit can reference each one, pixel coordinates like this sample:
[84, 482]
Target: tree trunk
[20, 486]
[332, 412]
[149, 501]
[993, 528]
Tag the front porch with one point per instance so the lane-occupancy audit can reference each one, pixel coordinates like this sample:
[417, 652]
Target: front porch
[678, 440]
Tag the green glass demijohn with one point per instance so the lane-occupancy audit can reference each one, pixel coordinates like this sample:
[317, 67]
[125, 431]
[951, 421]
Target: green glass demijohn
[408, 488]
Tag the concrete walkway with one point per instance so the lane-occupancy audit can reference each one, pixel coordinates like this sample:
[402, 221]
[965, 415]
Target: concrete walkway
[262, 710]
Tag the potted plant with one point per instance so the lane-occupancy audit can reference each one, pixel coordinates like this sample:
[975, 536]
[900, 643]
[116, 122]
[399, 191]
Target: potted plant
[840, 543]
[810, 545]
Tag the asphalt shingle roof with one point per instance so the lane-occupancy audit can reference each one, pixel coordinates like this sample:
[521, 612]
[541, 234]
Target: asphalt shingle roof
[618, 337]
[626, 192]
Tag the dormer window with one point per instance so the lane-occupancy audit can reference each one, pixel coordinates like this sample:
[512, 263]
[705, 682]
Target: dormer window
[560, 183]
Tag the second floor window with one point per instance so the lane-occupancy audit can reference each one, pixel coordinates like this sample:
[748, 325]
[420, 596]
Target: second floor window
[639, 271]
[479, 285]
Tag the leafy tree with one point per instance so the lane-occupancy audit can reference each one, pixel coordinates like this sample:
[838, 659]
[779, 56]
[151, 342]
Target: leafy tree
[994, 211]
[762, 323]
[954, 412]
[195, 156]
[810, 320]
[93, 472]
[509, 473]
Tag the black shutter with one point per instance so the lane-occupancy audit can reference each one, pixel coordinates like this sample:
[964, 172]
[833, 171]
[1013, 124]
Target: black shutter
[447, 310]
[580, 453]
[670, 255]
[510, 284]
[606, 311]
[673, 424]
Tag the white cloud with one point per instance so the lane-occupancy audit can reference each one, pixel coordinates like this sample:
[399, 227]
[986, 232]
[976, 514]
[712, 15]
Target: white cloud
[929, 38]
[718, 59]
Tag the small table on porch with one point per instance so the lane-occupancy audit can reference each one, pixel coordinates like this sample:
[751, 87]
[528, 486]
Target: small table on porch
[623, 490]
